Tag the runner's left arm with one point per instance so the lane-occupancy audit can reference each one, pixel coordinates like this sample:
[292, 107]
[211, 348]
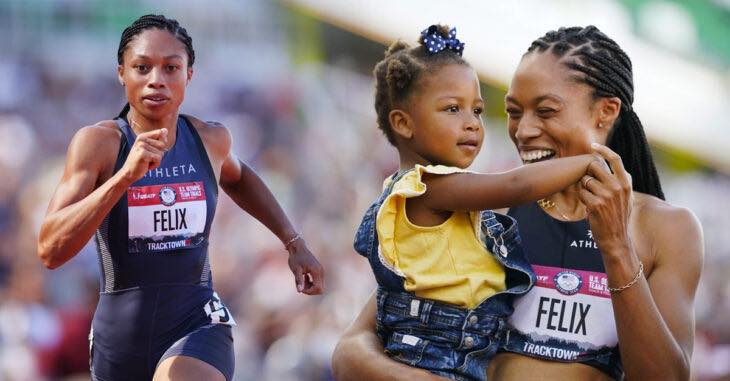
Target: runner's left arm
[247, 189]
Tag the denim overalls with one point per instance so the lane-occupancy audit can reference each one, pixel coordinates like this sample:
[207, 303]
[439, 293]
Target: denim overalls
[445, 339]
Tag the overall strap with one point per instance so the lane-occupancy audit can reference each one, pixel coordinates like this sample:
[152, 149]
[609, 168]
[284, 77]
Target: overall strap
[394, 178]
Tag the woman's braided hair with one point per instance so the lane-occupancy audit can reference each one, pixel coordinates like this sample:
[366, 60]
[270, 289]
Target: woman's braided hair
[399, 73]
[158, 22]
[603, 65]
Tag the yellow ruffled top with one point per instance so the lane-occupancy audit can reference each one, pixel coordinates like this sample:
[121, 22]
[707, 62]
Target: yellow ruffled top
[447, 262]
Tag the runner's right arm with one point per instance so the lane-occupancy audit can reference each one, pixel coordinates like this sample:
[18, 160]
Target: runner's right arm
[79, 204]
[359, 354]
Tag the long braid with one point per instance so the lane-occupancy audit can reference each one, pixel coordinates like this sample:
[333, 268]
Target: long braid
[158, 22]
[602, 64]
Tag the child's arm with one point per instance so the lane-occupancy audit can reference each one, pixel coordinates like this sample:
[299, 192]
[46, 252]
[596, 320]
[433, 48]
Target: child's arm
[247, 189]
[476, 191]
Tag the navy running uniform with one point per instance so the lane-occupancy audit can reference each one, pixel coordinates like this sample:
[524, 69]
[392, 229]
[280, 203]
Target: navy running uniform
[157, 297]
[568, 315]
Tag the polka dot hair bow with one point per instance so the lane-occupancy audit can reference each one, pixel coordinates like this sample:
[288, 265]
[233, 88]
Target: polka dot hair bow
[435, 43]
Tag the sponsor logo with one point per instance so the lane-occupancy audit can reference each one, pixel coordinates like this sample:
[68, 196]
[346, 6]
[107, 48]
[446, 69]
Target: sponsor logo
[167, 196]
[168, 245]
[218, 312]
[551, 352]
[568, 282]
[142, 196]
[585, 243]
[174, 171]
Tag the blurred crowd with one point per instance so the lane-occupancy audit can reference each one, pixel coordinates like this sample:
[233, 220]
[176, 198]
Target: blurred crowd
[303, 118]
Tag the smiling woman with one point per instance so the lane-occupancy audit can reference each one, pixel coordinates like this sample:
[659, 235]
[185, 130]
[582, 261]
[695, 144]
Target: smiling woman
[616, 267]
[612, 231]
[447, 266]
[145, 186]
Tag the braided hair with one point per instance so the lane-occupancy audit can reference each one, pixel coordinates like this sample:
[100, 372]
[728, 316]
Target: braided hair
[398, 74]
[600, 63]
[159, 22]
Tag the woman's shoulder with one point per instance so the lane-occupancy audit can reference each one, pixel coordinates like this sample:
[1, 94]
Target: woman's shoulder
[99, 137]
[667, 226]
[215, 135]
[95, 147]
[658, 214]
[103, 129]
[207, 127]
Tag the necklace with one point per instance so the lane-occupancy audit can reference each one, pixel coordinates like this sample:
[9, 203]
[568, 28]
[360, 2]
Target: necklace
[133, 123]
[547, 204]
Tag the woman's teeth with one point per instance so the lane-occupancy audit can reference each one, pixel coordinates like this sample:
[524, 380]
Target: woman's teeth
[532, 156]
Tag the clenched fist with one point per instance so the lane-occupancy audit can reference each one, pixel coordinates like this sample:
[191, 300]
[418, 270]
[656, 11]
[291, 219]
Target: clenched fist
[146, 154]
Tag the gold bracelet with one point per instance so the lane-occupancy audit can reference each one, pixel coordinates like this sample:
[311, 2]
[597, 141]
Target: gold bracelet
[290, 242]
[633, 281]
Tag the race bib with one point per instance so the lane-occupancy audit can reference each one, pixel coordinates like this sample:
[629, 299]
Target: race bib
[566, 309]
[166, 217]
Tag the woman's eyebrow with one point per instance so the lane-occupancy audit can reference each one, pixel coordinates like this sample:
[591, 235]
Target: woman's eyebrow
[549, 97]
[510, 99]
[172, 56]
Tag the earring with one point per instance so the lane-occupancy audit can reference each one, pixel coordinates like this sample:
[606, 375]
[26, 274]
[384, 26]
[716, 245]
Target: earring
[600, 125]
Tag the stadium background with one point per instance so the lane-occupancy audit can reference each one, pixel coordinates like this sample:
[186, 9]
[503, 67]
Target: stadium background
[292, 81]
